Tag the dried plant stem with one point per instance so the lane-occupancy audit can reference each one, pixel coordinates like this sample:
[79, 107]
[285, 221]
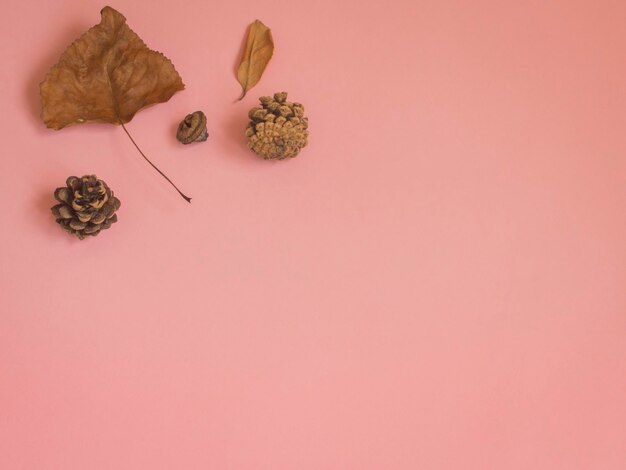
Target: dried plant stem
[188, 199]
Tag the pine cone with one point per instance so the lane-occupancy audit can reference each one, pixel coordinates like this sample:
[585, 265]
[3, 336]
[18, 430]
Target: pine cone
[87, 205]
[277, 130]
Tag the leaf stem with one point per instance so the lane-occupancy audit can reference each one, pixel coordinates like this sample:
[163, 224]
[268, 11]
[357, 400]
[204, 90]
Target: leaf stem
[188, 199]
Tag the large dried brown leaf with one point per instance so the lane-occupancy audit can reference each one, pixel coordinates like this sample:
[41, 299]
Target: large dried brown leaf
[258, 52]
[106, 75]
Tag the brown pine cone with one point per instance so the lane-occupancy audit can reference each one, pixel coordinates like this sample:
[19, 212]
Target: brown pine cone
[87, 205]
[278, 129]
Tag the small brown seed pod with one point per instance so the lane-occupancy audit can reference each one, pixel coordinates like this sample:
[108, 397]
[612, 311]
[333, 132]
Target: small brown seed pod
[193, 128]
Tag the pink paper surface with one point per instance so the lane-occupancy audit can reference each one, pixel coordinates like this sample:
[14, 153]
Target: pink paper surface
[436, 282]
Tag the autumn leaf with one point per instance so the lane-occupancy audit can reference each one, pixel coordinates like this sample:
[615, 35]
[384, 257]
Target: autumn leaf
[257, 54]
[107, 75]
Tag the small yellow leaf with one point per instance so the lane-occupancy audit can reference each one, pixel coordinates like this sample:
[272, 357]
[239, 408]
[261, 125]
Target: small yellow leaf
[258, 52]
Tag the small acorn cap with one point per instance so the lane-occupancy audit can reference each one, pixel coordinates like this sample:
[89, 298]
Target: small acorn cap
[192, 128]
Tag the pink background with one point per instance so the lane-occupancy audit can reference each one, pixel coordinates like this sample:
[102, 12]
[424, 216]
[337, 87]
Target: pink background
[437, 282]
